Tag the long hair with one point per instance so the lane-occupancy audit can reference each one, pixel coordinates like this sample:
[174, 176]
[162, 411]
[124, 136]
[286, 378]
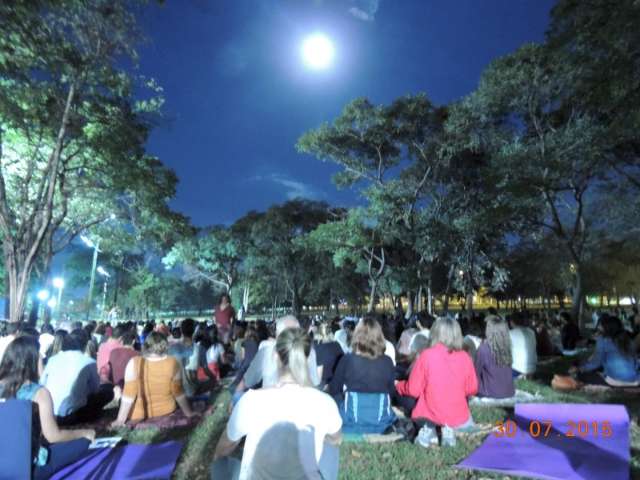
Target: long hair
[368, 339]
[293, 346]
[499, 340]
[447, 332]
[613, 329]
[19, 364]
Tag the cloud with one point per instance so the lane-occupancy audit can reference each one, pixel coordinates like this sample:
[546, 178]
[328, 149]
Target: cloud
[365, 10]
[292, 188]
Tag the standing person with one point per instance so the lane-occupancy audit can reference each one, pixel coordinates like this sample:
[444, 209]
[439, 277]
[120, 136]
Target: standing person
[225, 317]
[493, 361]
[288, 427]
[441, 380]
[19, 372]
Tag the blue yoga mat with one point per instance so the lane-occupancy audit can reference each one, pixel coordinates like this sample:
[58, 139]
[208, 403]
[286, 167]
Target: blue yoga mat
[139, 462]
[559, 441]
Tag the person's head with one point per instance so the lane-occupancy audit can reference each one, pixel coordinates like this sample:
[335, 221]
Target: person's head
[148, 328]
[47, 328]
[128, 338]
[60, 343]
[175, 333]
[419, 343]
[13, 328]
[288, 321]
[78, 340]
[188, 327]
[324, 333]
[612, 328]
[499, 340]
[293, 346]
[447, 332]
[21, 363]
[155, 344]
[225, 299]
[367, 339]
[119, 331]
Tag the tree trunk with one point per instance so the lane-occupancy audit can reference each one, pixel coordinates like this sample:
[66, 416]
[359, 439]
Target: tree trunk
[372, 296]
[409, 305]
[468, 302]
[429, 299]
[419, 306]
[447, 292]
[578, 296]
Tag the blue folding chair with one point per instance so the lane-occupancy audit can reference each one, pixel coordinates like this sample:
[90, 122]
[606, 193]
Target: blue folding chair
[16, 458]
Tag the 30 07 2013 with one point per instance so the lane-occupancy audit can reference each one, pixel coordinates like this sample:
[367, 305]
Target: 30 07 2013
[545, 428]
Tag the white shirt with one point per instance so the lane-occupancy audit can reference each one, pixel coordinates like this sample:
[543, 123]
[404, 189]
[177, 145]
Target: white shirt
[70, 377]
[285, 429]
[45, 339]
[523, 350]
[4, 343]
[214, 353]
[426, 333]
[341, 337]
[390, 351]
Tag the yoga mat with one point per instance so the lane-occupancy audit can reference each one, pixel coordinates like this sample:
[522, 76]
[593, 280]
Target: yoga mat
[558, 456]
[135, 462]
[520, 397]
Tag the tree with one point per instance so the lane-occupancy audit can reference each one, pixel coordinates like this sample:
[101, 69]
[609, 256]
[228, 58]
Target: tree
[546, 151]
[65, 103]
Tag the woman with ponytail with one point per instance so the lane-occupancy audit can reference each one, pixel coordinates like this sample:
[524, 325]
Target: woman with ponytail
[287, 426]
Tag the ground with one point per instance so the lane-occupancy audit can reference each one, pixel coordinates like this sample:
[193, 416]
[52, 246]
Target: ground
[398, 461]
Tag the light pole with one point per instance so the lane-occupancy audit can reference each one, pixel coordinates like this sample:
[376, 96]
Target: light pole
[106, 276]
[42, 295]
[87, 241]
[58, 283]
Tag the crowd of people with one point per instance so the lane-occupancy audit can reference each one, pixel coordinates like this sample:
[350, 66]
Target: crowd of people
[300, 384]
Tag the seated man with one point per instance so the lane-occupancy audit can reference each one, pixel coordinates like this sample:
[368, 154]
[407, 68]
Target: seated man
[104, 352]
[264, 366]
[72, 378]
[120, 357]
[188, 355]
[523, 347]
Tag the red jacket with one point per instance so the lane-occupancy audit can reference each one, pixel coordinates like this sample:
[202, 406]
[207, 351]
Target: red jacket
[441, 381]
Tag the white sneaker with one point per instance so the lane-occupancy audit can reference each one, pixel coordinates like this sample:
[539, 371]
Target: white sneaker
[448, 437]
[427, 437]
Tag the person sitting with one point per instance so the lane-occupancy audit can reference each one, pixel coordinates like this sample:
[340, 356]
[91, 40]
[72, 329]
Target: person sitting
[119, 357]
[570, 332]
[213, 353]
[46, 339]
[249, 348]
[523, 347]
[19, 372]
[104, 353]
[264, 367]
[152, 384]
[615, 354]
[188, 355]
[328, 353]
[493, 361]
[72, 379]
[363, 382]
[289, 427]
[441, 380]
[344, 334]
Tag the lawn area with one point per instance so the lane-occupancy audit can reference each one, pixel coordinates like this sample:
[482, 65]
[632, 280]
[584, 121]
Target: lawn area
[398, 461]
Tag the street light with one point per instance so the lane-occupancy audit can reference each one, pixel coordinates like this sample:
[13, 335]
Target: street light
[43, 295]
[106, 276]
[52, 303]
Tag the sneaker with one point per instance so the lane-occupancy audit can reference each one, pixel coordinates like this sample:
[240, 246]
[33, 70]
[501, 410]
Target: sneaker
[448, 437]
[427, 437]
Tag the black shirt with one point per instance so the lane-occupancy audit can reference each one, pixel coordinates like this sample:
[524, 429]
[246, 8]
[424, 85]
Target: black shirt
[364, 375]
[327, 354]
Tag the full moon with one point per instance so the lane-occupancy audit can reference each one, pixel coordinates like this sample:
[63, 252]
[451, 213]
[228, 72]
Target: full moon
[317, 51]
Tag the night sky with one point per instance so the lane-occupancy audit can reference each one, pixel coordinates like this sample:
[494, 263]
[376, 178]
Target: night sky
[238, 95]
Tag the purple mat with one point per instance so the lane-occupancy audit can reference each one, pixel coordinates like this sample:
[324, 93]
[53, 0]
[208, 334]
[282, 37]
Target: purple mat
[557, 456]
[127, 462]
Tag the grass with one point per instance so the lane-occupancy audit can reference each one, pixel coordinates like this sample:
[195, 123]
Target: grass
[398, 461]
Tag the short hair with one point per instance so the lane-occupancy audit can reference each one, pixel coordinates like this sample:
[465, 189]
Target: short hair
[368, 339]
[47, 328]
[78, 340]
[128, 337]
[188, 327]
[156, 344]
[447, 332]
[119, 330]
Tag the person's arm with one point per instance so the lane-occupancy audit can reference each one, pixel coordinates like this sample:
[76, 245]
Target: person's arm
[129, 394]
[415, 385]
[225, 447]
[336, 387]
[253, 375]
[241, 419]
[334, 439]
[52, 433]
[596, 359]
[178, 394]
